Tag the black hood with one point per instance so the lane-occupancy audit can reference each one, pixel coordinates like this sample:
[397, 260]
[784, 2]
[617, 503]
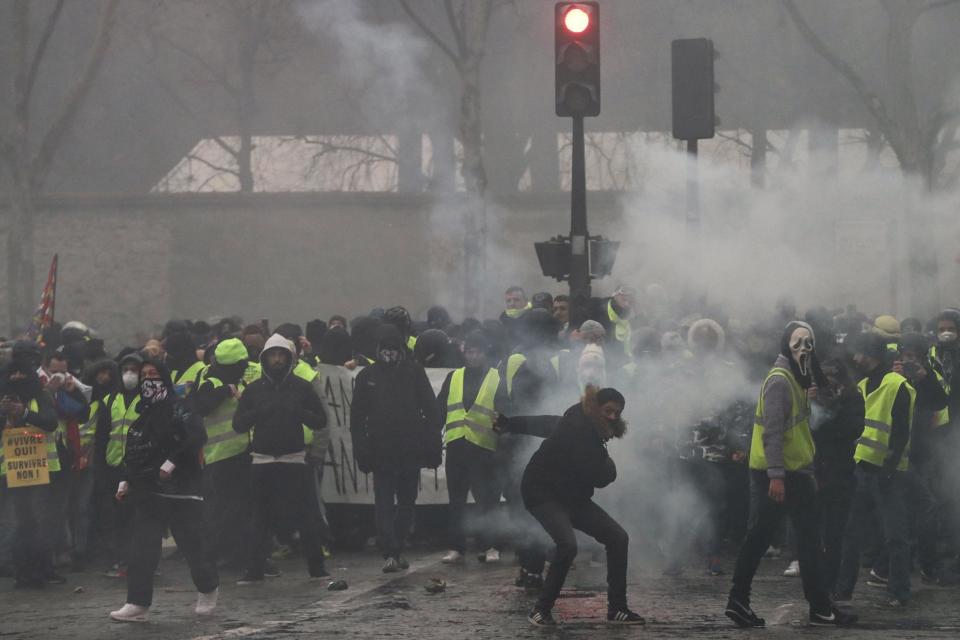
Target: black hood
[90, 377]
[24, 389]
[167, 382]
[334, 347]
[364, 335]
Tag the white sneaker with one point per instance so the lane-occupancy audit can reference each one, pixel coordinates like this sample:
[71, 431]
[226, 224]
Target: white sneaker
[793, 570]
[492, 555]
[130, 613]
[207, 602]
[452, 557]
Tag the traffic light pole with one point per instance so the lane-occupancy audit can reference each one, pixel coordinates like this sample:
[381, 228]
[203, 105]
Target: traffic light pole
[579, 236]
[693, 187]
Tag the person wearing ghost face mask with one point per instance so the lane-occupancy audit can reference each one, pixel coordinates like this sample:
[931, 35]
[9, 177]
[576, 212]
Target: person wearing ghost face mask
[782, 481]
[162, 478]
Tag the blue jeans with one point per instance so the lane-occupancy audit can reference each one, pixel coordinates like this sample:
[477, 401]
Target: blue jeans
[888, 497]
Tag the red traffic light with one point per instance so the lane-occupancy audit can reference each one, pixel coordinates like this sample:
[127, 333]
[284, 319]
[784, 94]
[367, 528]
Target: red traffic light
[576, 20]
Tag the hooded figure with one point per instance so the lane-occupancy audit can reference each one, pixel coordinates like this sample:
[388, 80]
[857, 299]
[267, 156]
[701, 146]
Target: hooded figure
[24, 403]
[162, 480]
[277, 407]
[395, 428]
[363, 339]
[434, 350]
[334, 347]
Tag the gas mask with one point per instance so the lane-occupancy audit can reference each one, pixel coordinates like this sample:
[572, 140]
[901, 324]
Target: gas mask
[801, 349]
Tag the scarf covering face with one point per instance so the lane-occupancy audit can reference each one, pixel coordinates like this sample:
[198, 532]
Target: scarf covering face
[153, 391]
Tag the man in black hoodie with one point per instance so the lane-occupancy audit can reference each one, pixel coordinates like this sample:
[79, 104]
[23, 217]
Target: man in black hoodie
[557, 488]
[162, 479]
[395, 429]
[276, 407]
[24, 405]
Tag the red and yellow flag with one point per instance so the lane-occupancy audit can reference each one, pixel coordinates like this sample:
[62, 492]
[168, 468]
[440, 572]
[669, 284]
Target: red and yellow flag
[43, 316]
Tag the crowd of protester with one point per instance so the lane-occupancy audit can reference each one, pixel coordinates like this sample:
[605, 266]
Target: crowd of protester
[215, 432]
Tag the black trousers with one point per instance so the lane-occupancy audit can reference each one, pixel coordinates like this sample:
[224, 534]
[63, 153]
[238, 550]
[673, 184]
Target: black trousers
[470, 469]
[559, 521]
[113, 518]
[35, 522]
[834, 501]
[153, 514]
[394, 496]
[765, 516]
[281, 497]
[228, 510]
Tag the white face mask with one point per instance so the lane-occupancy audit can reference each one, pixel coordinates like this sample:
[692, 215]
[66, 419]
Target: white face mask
[131, 380]
[801, 348]
[947, 336]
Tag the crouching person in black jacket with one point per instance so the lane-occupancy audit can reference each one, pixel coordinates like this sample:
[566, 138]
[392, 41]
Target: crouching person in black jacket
[162, 480]
[277, 407]
[557, 488]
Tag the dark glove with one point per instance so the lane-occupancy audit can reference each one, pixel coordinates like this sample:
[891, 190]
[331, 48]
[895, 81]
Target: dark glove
[434, 458]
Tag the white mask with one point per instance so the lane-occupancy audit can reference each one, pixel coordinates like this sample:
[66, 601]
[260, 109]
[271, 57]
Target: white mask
[947, 336]
[131, 380]
[801, 348]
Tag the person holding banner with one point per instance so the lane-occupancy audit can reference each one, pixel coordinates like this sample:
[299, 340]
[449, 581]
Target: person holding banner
[29, 456]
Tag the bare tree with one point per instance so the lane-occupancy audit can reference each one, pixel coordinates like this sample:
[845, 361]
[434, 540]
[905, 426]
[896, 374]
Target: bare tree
[254, 34]
[28, 153]
[468, 22]
[921, 143]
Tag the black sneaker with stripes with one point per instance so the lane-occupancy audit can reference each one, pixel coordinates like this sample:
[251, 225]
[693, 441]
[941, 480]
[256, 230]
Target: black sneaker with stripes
[540, 618]
[624, 616]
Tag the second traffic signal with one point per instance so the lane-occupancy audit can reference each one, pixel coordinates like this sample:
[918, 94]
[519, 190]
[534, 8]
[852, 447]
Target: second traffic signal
[577, 27]
[694, 89]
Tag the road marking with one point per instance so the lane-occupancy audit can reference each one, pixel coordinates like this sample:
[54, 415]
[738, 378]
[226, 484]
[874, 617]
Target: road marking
[326, 605]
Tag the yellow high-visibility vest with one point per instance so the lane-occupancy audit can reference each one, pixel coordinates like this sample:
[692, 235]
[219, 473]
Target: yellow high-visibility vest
[798, 447]
[475, 425]
[873, 446]
[121, 417]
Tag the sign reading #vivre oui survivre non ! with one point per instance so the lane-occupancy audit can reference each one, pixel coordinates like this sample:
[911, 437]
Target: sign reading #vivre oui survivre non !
[25, 454]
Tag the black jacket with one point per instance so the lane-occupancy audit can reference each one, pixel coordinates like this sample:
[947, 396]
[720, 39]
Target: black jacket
[394, 419]
[26, 390]
[569, 465]
[168, 431]
[279, 410]
[836, 438]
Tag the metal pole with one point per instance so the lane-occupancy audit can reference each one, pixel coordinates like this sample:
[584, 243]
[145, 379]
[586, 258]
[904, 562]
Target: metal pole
[693, 189]
[579, 236]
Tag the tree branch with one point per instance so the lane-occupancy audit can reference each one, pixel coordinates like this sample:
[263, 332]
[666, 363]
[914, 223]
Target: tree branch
[457, 27]
[939, 4]
[217, 74]
[870, 100]
[40, 164]
[215, 167]
[430, 34]
[41, 50]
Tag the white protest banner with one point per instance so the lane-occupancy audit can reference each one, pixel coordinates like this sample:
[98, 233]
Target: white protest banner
[343, 483]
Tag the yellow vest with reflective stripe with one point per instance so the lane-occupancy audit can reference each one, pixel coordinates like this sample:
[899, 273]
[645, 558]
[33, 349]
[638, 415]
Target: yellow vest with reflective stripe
[475, 425]
[621, 328]
[222, 441]
[50, 443]
[88, 430]
[514, 362]
[942, 418]
[121, 417]
[798, 448]
[190, 379]
[873, 446]
[308, 373]
[411, 343]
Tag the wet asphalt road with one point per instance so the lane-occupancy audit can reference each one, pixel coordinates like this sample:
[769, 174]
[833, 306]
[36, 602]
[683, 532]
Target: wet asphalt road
[479, 601]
